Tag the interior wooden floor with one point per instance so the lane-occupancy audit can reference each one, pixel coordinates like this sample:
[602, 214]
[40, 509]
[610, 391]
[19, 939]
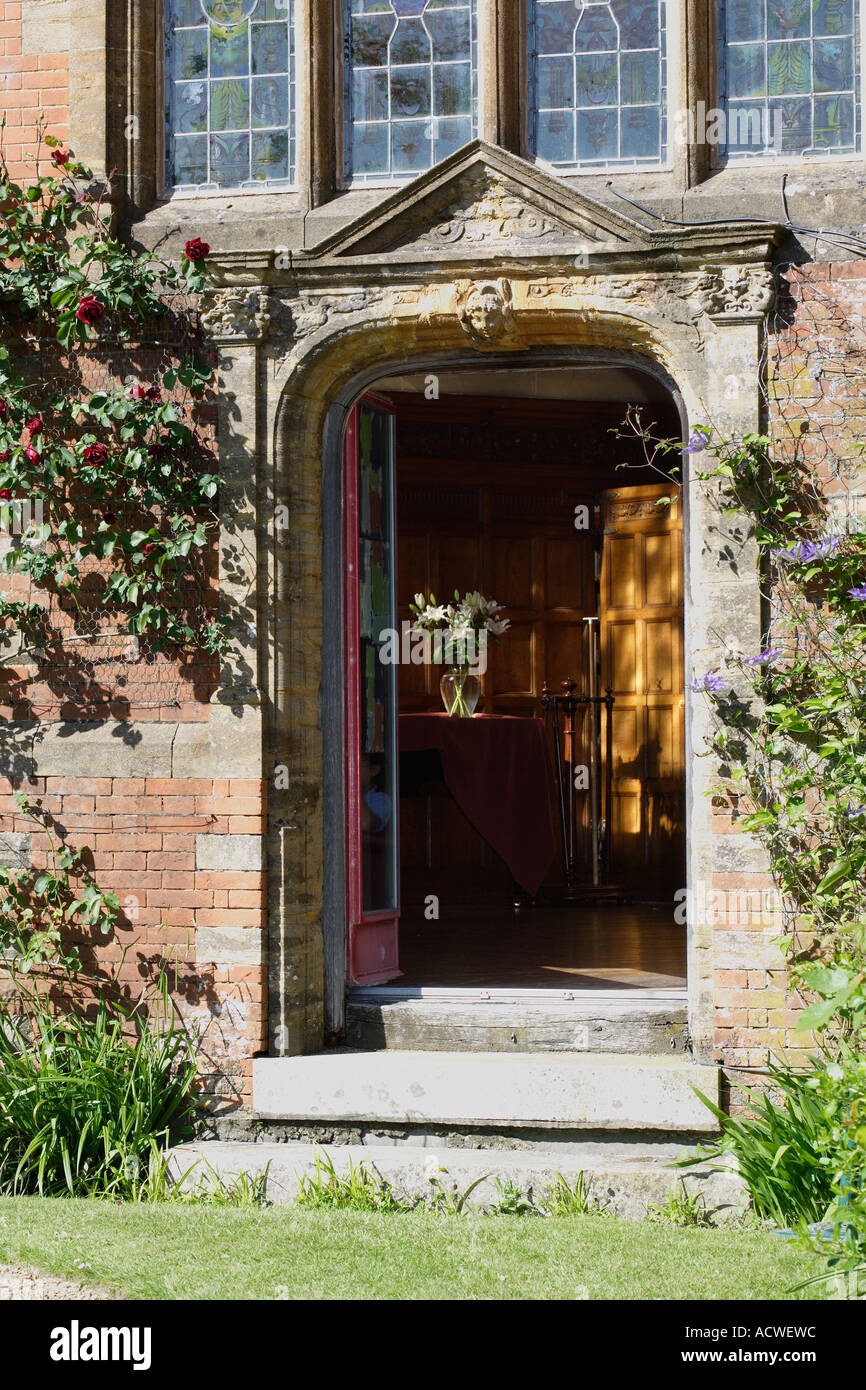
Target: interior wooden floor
[582, 947]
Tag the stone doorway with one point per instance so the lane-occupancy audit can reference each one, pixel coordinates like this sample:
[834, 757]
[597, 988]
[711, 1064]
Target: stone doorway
[442, 276]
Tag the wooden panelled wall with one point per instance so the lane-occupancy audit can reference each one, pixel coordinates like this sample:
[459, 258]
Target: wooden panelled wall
[487, 497]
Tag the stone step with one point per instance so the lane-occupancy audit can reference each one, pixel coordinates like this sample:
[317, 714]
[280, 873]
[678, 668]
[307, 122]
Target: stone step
[571, 1091]
[478, 1021]
[623, 1186]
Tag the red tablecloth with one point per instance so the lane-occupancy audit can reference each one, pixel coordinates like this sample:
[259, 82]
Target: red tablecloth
[497, 768]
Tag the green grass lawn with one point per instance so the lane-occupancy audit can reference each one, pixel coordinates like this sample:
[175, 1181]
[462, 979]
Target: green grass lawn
[165, 1251]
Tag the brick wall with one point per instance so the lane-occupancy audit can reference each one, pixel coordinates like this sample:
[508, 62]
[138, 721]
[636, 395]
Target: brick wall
[34, 88]
[145, 839]
[817, 412]
[143, 835]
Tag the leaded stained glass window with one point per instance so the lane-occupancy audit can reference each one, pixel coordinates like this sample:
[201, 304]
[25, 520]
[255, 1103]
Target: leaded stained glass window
[231, 93]
[599, 77]
[411, 69]
[790, 76]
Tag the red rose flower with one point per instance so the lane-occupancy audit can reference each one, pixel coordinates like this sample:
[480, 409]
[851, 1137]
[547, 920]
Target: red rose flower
[5, 456]
[32, 454]
[196, 250]
[60, 157]
[4, 409]
[90, 310]
[136, 392]
[148, 548]
[156, 451]
[5, 494]
[35, 426]
[154, 394]
[110, 517]
[96, 453]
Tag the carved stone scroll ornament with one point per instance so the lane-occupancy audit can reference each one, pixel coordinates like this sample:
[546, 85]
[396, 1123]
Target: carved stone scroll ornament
[236, 315]
[494, 215]
[735, 292]
[296, 318]
[485, 310]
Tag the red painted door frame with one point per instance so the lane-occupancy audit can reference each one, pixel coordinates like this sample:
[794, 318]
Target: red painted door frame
[372, 935]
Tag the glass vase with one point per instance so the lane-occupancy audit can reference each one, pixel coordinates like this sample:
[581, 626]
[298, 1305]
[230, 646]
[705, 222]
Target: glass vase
[460, 691]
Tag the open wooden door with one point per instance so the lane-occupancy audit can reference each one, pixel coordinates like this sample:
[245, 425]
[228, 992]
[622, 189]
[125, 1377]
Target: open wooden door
[372, 781]
[641, 611]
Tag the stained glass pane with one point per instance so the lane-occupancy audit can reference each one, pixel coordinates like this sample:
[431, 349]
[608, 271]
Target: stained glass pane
[790, 77]
[599, 82]
[191, 106]
[231, 77]
[230, 158]
[230, 105]
[230, 51]
[190, 159]
[270, 102]
[411, 84]
[378, 678]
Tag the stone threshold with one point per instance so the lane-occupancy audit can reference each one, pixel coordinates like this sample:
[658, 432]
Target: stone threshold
[627, 1022]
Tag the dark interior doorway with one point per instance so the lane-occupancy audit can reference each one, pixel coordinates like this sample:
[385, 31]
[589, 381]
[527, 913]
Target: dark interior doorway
[493, 471]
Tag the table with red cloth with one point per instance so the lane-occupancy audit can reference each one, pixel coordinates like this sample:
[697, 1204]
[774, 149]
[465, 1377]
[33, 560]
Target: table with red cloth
[497, 768]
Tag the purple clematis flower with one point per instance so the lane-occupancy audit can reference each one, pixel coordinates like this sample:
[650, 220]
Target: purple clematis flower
[698, 442]
[804, 551]
[855, 810]
[859, 591]
[710, 681]
[764, 658]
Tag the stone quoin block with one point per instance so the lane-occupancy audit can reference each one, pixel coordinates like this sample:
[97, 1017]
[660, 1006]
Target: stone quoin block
[229, 853]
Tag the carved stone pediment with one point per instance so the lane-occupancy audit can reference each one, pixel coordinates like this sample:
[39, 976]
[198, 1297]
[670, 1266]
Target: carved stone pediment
[483, 200]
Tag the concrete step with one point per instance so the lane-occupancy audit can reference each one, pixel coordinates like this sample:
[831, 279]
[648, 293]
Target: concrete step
[571, 1091]
[644, 1022]
[623, 1186]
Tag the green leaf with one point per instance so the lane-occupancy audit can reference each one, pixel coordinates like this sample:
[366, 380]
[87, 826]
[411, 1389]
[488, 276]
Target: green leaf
[842, 868]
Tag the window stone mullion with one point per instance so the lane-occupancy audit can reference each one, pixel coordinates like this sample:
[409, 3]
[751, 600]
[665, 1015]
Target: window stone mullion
[502, 49]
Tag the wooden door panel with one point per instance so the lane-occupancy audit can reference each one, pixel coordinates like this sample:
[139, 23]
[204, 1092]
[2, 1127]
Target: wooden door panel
[458, 562]
[413, 566]
[622, 653]
[565, 574]
[564, 654]
[626, 741]
[510, 670]
[622, 572]
[511, 570]
[642, 659]
[660, 674]
[659, 570]
[660, 754]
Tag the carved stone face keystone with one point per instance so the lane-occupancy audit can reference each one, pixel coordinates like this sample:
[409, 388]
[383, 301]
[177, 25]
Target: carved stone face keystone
[484, 309]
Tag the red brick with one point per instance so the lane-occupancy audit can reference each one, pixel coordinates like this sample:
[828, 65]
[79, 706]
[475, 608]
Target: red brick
[250, 917]
[239, 897]
[218, 878]
[245, 825]
[161, 897]
[171, 860]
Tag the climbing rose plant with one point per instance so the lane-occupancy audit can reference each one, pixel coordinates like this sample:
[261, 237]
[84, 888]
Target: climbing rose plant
[75, 461]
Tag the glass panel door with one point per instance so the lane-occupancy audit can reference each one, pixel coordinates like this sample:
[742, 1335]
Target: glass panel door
[371, 726]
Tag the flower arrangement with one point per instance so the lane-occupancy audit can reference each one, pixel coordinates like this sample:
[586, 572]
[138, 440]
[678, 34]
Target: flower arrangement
[459, 630]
